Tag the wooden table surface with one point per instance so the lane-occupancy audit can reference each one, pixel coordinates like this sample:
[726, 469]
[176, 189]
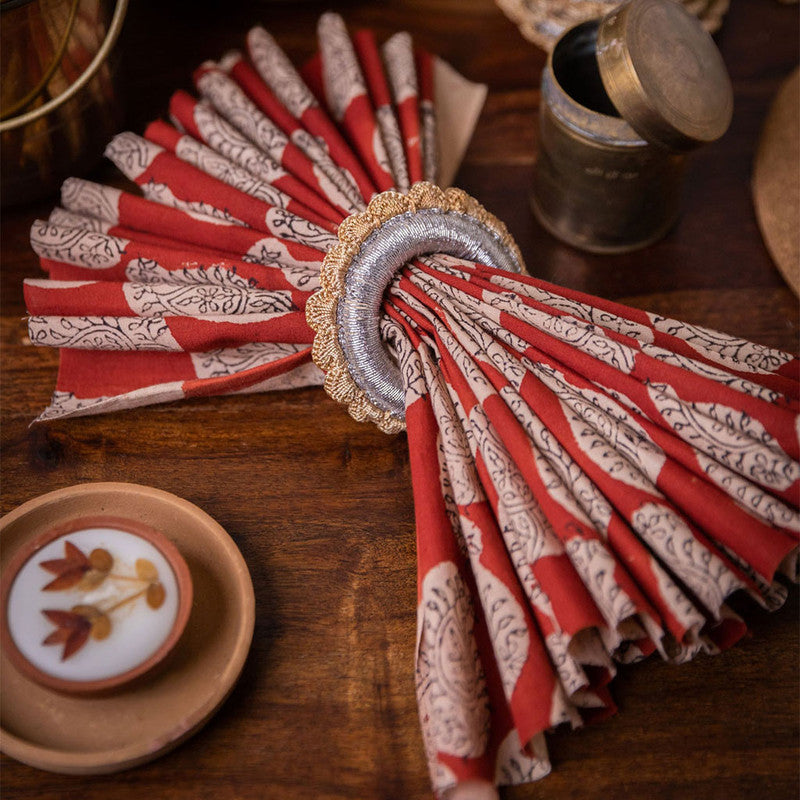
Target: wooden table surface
[321, 507]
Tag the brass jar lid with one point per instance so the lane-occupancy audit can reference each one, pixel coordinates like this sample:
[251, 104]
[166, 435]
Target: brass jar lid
[664, 74]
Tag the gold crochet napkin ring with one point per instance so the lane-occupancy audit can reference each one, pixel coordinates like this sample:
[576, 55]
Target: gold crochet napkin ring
[373, 245]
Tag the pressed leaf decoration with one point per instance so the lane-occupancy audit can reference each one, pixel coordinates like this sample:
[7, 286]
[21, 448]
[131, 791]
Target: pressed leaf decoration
[68, 570]
[77, 571]
[155, 595]
[101, 559]
[72, 630]
[101, 627]
[146, 570]
[99, 620]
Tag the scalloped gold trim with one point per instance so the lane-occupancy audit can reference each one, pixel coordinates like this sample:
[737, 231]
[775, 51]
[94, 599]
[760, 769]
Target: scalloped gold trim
[322, 307]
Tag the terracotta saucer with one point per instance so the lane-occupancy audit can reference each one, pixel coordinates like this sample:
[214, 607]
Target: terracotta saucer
[140, 721]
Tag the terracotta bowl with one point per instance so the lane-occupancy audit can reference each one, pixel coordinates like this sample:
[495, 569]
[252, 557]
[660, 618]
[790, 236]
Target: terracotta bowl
[115, 730]
[93, 604]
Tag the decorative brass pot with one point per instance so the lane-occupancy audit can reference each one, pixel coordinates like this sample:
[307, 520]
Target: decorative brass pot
[624, 99]
[58, 106]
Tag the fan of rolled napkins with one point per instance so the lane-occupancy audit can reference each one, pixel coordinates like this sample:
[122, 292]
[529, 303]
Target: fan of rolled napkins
[197, 285]
[591, 482]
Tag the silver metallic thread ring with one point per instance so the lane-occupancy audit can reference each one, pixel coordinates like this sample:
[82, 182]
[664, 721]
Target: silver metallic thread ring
[382, 254]
[373, 245]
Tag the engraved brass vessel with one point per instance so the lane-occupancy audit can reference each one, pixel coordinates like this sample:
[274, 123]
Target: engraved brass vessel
[624, 99]
[58, 100]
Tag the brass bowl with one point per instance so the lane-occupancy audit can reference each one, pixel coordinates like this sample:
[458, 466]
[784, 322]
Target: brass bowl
[58, 106]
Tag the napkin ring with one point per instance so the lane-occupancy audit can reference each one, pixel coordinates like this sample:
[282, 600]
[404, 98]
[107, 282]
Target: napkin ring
[373, 245]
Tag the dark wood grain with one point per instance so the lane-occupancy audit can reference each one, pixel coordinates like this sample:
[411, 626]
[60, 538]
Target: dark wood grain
[321, 507]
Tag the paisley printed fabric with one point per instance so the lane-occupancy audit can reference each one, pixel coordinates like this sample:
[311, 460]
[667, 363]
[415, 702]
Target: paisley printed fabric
[212, 257]
[580, 496]
[591, 482]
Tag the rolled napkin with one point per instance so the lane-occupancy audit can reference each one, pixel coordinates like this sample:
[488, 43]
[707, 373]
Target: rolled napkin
[591, 482]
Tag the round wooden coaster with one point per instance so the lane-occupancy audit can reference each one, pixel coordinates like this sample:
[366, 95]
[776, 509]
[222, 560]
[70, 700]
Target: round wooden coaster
[137, 723]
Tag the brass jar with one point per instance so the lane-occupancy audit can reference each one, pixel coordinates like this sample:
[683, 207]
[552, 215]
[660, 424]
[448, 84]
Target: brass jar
[623, 100]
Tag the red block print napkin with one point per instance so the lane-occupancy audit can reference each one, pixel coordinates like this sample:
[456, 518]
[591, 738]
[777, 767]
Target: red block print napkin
[197, 283]
[591, 483]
